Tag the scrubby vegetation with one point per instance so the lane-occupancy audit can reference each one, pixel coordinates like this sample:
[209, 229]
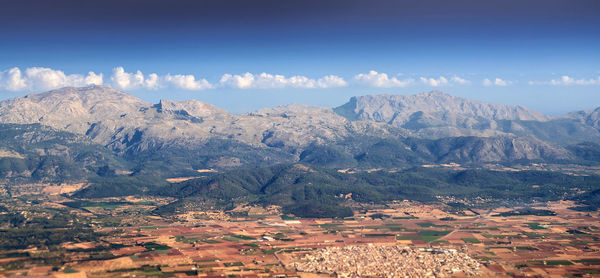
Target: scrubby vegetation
[317, 192]
[41, 154]
[25, 232]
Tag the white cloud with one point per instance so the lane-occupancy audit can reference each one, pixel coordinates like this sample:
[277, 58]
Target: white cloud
[375, 79]
[434, 82]
[40, 78]
[495, 82]
[237, 81]
[93, 78]
[443, 81]
[187, 82]
[12, 80]
[269, 81]
[331, 81]
[275, 81]
[131, 81]
[567, 80]
[152, 81]
[460, 81]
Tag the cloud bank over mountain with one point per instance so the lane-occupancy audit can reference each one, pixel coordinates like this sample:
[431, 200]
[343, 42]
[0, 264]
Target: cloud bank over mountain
[43, 78]
[270, 81]
[40, 78]
[566, 80]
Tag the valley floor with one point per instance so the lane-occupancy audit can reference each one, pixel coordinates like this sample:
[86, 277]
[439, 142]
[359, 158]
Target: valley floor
[406, 237]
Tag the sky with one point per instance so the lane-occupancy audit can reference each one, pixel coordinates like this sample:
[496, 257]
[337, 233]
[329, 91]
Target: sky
[244, 55]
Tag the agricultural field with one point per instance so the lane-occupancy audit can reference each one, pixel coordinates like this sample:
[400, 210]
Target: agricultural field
[121, 237]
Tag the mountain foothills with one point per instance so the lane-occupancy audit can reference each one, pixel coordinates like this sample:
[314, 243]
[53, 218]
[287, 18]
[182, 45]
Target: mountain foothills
[317, 192]
[121, 145]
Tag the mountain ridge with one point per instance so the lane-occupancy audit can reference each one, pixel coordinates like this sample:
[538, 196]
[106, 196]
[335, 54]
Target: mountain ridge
[429, 127]
[433, 101]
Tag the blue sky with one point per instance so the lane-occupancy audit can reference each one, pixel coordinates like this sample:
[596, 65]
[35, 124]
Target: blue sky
[541, 54]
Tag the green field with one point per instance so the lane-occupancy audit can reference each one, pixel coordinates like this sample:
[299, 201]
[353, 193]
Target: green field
[558, 262]
[377, 235]
[186, 239]
[589, 261]
[156, 246]
[536, 226]
[391, 227]
[243, 237]
[551, 262]
[528, 248]
[471, 240]
[212, 241]
[426, 235]
[230, 238]
[429, 225]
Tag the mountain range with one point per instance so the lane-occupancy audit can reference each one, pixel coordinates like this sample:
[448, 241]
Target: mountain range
[174, 138]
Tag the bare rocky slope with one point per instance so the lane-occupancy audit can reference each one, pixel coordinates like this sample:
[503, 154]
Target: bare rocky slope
[435, 114]
[447, 109]
[590, 117]
[119, 120]
[390, 130]
[439, 115]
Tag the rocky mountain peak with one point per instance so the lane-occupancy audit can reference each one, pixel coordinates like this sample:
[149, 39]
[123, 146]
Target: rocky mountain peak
[125, 123]
[447, 109]
[434, 94]
[191, 107]
[70, 108]
[587, 117]
[88, 96]
[294, 109]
